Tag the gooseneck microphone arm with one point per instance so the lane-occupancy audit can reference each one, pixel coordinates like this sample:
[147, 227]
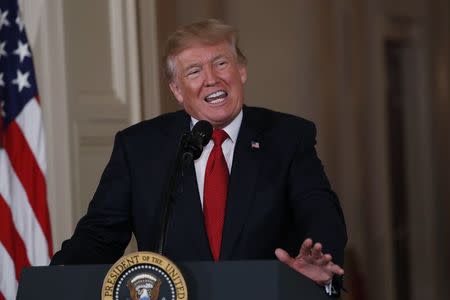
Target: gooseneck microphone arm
[190, 148]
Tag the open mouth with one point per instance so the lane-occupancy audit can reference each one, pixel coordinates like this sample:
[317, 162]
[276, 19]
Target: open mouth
[216, 97]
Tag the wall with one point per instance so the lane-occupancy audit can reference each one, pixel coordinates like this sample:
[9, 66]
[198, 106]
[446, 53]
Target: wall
[322, 60]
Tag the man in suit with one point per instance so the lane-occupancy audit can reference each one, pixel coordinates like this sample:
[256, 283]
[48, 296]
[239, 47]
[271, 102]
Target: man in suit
[258, 193]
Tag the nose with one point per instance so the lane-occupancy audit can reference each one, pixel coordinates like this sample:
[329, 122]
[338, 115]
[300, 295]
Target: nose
[211, 78]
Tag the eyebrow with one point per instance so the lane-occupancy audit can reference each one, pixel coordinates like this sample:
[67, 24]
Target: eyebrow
[193, 65]
[196, 64]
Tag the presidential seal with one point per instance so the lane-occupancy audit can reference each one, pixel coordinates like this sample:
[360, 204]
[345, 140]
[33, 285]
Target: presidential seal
[144, 276]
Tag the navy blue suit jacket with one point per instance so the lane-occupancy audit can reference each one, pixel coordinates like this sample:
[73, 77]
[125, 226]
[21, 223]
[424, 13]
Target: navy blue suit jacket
[278, 195]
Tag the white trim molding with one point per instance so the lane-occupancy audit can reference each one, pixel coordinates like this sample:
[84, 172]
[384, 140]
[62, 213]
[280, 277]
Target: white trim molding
[45, 28]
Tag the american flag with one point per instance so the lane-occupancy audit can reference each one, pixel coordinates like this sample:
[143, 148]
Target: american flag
[255, 145]
[25, 235]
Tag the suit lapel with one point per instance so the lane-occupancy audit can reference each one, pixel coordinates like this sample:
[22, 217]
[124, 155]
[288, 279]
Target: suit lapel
[244, 172]
[189, 213]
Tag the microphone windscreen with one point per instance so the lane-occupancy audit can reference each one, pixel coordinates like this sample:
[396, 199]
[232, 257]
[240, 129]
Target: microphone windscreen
[203, 129]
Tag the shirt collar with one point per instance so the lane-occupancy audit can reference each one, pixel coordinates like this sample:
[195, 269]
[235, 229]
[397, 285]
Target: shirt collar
[231, 129]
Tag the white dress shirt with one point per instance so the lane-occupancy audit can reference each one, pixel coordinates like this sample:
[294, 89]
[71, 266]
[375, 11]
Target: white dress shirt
[232, 130]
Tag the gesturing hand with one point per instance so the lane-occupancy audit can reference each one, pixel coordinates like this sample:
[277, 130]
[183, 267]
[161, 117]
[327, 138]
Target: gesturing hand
[311, 262]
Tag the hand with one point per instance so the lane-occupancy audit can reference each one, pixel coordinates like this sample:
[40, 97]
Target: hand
[311, 262]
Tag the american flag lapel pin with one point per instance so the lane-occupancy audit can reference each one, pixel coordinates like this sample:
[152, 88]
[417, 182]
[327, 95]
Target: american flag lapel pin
[255, 145]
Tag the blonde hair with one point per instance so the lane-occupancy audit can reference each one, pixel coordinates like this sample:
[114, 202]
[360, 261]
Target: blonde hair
[207, 32]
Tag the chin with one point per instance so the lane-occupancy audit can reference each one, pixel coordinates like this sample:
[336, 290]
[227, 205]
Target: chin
[221, 118]
[221, 123]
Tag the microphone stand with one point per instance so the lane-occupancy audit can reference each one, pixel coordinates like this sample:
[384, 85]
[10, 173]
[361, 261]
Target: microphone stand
[180, 161]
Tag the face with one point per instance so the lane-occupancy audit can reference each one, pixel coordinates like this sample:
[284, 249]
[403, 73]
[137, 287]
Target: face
[209, 83]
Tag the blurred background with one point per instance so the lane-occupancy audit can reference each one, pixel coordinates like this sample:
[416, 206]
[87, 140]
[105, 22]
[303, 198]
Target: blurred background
[372, 74]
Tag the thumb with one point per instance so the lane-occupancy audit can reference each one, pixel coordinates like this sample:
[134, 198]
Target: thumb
[283, 256]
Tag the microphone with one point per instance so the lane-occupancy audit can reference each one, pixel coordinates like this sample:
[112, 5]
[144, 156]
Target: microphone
[197, 139]
[190, 148]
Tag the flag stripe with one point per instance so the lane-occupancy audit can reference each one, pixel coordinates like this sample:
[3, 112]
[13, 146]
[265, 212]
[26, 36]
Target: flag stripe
[30, 122]
[11, 239]
[8, 285]
[24, 218]
[25, 236]
[30, 175]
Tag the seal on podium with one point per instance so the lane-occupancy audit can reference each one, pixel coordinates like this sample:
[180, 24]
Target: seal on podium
[144, 276]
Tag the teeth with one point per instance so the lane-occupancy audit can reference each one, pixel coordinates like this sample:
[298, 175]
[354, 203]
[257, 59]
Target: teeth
[216, 97]
[216, 101]
[216, 94]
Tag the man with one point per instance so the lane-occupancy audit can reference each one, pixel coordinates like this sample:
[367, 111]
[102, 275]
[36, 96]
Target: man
[257, 193]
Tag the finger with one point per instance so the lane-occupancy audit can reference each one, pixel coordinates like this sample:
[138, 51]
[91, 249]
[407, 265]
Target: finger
[327, 258]
[336, 269]
[305, 249]
[316, 251]
[324, 260]
[333, 268]
[284, 257]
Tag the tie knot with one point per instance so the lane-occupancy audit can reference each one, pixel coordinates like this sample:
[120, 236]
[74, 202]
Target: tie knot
[219, 136]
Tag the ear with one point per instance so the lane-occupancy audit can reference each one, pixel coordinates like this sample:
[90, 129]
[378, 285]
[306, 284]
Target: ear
[243, 73]
[176, 91]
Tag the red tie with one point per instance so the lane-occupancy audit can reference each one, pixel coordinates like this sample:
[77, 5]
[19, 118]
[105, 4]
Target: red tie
[215, 193]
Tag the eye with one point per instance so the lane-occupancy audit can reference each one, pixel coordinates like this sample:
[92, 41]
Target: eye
[221, 64]
[193, 72]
